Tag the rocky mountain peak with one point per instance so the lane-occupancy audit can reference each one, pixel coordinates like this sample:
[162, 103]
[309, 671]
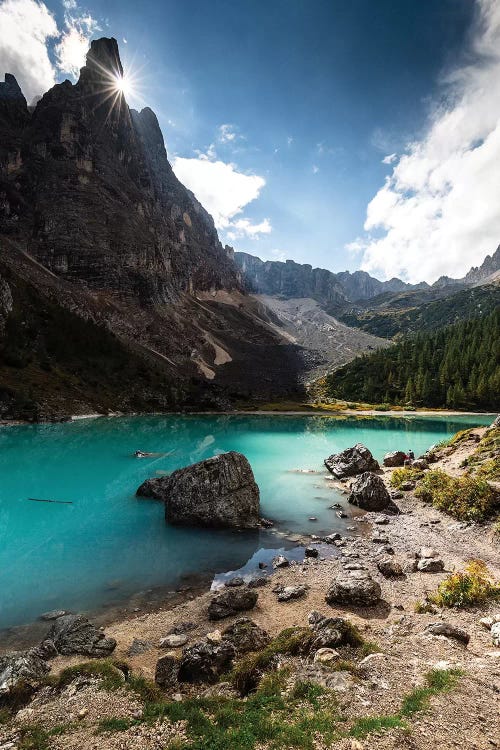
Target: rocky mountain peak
[103, 62]
[10, 90]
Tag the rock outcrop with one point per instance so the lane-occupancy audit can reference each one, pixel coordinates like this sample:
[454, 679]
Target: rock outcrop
[370, 493]
[246, 635]
[25, 665]
[219, 492]
[206, 661]
[351, 461]
[74, 634]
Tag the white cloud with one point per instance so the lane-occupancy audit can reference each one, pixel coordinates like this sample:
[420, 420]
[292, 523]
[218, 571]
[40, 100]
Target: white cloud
[438, 210]
[220, 187]
[390, 159]
[227, 133]
[245, 228]
[289, 140]
[315, 169]
[74, 44]
[26, 28]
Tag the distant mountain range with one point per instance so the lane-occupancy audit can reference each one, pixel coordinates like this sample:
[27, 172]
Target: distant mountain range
[289, 279]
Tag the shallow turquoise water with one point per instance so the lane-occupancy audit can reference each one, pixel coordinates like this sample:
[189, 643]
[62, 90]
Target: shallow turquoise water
[108, 544]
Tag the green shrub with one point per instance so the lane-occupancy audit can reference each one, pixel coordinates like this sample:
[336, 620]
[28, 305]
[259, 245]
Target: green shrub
[466, 498]
[400, 476]
[471, 587]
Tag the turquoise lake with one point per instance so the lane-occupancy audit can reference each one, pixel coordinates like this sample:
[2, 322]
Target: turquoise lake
[107, 545]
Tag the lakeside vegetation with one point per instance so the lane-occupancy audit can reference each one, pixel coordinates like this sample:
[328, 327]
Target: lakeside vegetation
[454, 367]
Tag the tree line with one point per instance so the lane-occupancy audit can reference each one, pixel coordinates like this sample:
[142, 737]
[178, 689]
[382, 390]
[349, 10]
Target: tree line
[457, 366]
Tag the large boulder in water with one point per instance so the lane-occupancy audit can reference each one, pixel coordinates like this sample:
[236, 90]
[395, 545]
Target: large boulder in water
[74, 634]
[219, 492]
[370, 493]
[352, 461]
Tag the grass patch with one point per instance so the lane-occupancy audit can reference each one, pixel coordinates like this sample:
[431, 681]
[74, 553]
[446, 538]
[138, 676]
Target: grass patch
[400, 476]
[473, 586]
[437, 681]
[370, 647]
[466, 498]
[365, 726]
[308, 691]
[113, 724]
[34, 737]
[111, 675]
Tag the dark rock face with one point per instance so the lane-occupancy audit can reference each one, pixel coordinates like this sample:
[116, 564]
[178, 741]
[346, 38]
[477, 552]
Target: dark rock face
[246, 635]
[205, 661]
[292, 279]
[25, 665]
[219, 492]
[390, 568]
[231, 601]
[74, 634]
[370, 493]
[396, 458]
[86, 190]
[105, 207]
[357, 588]
[352, 461]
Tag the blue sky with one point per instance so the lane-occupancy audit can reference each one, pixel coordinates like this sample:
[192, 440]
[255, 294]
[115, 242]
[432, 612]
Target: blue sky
[280, 114]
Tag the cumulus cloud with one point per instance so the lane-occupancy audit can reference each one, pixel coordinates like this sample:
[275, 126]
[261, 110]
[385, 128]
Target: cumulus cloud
[223, 191]
[437, 213]
[28, 29]
[245, 228]
[75, 41]
[227, 133]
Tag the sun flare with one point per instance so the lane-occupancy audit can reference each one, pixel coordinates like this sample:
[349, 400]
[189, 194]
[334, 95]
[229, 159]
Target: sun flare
[123, 85]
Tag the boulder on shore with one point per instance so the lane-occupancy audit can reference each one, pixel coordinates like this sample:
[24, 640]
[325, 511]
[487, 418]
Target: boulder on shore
[74, 634]
[370, 493]
[219, 492]
[246, 635]
[25, 665]
[206, 661]
[352, 461]
[231, 601]
[357, 588]
[395, 458]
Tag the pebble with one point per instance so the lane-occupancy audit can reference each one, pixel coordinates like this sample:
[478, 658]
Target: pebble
[173, 641]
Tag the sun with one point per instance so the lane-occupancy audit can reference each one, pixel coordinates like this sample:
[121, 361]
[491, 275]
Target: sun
[123, 85]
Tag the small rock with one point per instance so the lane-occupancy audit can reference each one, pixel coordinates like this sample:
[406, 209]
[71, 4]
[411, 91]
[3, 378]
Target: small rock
[266, 523]
[420, 463]
[312, 518]
[255, 583]
[448, 630]
[427, 552]
[430, 565]
[390, 568]
[205, 662]
[407, 486]
[179, 628]
[173, 641]
[495, 633]
[139, 647]
[326, 656]
[488, 622]
[246, 635]
[381, 520]
[234, 582]
[82, 713]
[395, 458]
[280, 561]
[380, 540]
[215, 636]
[232, 601]
[311, 552]
[292, 592]
[262, 566]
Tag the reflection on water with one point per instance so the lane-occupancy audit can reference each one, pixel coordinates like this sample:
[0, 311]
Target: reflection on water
[107, 544]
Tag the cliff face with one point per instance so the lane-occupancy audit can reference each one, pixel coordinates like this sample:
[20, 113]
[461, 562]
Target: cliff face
[90, 192]
[292, 279]
[95, 227]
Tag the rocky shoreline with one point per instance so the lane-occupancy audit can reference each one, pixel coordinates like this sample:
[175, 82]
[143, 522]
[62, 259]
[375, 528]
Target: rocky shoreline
[380, 583]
